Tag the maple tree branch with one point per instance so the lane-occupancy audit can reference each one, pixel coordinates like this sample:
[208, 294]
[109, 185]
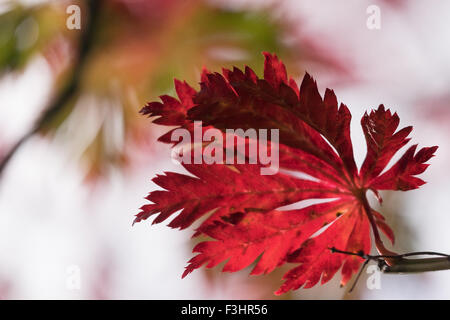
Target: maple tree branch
[86, 40]
[396, 263]
[396, 256]
[419, 265]
[399, 263]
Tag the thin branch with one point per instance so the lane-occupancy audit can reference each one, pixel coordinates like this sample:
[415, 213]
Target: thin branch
[400, 264]
[396, 256]
[67, 93]
[419, 265]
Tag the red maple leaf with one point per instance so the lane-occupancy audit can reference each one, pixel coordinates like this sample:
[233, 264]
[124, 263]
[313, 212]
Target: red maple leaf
[242, 206]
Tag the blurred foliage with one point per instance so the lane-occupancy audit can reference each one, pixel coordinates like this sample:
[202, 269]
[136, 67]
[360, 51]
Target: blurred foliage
[27, 30]
[138, 47]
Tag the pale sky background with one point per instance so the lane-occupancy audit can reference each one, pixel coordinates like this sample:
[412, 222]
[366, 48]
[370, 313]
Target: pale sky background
[51, 223]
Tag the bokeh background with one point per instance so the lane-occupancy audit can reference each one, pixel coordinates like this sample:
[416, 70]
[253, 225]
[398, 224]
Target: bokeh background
[79, 157]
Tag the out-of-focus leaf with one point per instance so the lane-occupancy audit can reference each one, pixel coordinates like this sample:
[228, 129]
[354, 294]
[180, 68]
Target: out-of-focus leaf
[25, 31]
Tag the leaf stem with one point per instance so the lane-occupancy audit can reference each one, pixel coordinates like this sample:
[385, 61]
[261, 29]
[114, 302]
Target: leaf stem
[378, 242]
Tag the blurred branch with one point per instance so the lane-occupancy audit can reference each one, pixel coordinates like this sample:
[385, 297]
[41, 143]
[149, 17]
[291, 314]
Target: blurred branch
[69, 90]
